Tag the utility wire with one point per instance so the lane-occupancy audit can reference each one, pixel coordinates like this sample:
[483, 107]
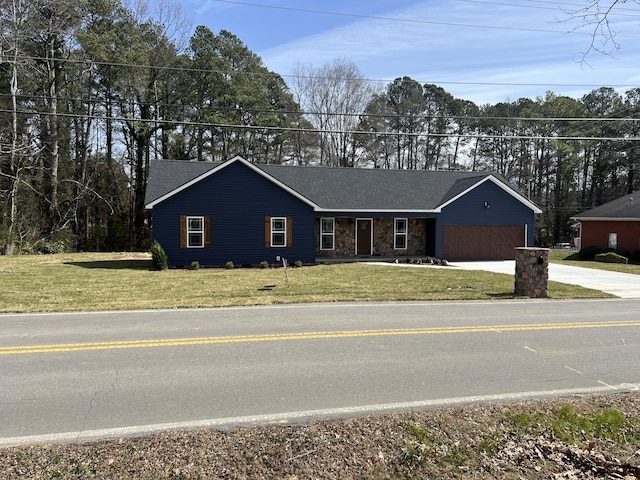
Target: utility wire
[563, 7]
[89, 62]
[410, 20]
[307, 113]
[269, 128]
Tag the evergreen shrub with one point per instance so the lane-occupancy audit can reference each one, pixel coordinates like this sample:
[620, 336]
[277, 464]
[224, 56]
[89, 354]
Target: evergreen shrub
[159, 258]
[590, 252]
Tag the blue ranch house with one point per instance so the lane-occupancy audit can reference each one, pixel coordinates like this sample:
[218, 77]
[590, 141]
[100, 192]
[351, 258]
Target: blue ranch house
[237, 211]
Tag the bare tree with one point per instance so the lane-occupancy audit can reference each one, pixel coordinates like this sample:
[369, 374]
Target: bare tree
[333, 96]
[596, 16]
[52, 25]
[13, 18]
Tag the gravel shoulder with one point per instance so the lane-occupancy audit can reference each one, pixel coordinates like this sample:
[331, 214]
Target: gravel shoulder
[566, 438]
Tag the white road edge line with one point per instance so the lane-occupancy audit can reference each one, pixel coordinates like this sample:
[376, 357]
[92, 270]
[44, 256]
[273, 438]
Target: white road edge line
[297, 417]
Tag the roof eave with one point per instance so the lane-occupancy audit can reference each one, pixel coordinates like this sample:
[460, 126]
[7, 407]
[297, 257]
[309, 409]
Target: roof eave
[374, 210]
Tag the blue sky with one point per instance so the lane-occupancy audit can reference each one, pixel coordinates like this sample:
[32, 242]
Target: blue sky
[484, 51]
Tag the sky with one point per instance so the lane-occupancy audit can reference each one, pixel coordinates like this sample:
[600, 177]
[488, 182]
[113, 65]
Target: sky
[485, 51]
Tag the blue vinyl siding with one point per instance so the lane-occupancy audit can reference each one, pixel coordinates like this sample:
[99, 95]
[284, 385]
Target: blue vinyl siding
[503, 209]
[237, 200]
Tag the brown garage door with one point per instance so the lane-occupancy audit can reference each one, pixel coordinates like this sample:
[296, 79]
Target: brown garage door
[482, 242]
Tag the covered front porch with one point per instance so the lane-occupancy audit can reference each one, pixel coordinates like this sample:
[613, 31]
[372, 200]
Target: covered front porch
[422, 260]
[342, 239]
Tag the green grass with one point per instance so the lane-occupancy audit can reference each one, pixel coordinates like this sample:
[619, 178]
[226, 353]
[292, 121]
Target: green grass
[572, 259]
[571, 426]
[98, 281]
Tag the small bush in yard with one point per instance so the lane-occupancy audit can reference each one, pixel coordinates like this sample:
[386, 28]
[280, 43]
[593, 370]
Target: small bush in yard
[623, 252]
[264, 264]
[49, 247]
[195, 265]
[159, 258]
[229, 265]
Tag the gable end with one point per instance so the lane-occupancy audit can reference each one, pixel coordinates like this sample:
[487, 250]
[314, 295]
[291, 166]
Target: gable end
[216, 169]
[502, 185]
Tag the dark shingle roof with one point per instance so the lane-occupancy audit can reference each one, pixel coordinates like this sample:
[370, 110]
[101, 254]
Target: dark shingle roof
[623, 207]
[167, 175]
[337, 188]
[371, 189]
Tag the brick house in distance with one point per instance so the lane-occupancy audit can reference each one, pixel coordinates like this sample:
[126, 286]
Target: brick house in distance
[615, 224]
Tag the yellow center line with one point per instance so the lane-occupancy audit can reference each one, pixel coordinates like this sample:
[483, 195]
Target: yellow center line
[176, 342]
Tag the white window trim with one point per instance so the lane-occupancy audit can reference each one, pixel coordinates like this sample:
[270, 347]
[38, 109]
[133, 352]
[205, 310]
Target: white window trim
[190, 231]
[332, 234]
[404, 234]
[283, 232]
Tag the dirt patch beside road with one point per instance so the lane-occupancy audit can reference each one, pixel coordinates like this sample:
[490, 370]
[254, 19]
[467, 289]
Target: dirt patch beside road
[569, 438]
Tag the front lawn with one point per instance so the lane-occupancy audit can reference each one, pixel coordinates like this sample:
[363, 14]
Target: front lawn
[112, 281]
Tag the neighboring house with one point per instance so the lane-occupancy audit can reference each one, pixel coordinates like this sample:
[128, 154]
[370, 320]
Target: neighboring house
[245, 213]
[612, 225]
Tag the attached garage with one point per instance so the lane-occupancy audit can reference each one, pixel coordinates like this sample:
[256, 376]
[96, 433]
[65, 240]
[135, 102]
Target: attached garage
[482, 242]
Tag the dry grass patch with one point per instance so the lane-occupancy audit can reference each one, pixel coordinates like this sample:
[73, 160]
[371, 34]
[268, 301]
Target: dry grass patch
[90, 281]
[570, 438]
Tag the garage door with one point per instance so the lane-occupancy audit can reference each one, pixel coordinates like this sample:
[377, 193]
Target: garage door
[482, 242]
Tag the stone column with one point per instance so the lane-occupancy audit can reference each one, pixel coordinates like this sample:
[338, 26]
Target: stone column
[532, 272]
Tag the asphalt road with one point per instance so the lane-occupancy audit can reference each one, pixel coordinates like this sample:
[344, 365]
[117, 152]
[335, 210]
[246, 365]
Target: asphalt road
[81, 376]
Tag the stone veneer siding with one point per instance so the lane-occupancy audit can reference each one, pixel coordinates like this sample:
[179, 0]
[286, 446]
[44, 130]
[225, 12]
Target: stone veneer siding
[383, 232]
[532, 272]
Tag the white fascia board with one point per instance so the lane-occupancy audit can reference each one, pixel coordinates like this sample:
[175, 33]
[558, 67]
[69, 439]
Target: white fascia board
[606, 219]
[276, 182]
[175, 191]
[503, 186]
[370, 210]
[222, 166]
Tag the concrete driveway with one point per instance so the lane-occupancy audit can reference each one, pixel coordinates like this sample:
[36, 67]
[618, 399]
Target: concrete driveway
[623, 285]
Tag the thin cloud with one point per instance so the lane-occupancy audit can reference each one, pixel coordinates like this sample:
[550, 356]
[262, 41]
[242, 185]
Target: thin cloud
[455, 42]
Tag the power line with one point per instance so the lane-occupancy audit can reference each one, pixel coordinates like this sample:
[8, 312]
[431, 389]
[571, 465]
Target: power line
[274, 74]
[268, 128]
[302, 113]
[555, 6]
[410, 20]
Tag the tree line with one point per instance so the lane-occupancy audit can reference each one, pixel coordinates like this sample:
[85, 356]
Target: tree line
[92, 90]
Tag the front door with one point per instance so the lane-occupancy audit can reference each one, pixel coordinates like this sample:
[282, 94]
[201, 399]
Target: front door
[363, 236]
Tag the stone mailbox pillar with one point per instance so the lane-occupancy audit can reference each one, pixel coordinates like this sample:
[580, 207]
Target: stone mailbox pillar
[532, 272]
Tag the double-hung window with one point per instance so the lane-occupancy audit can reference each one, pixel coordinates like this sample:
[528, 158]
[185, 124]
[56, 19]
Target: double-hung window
[327, 233]
[278, 231]
[195, 232]
[400, 234]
